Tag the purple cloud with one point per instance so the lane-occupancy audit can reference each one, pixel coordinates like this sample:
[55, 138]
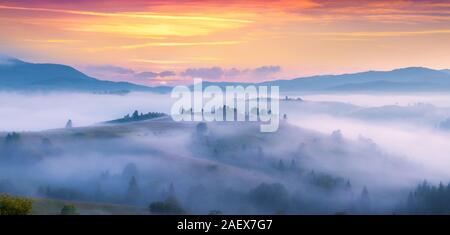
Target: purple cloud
[207, 73]
[218, 72]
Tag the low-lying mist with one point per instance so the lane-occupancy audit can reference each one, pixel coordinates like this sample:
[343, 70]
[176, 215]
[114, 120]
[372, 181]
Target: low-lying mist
[331, 154]
[41, 111]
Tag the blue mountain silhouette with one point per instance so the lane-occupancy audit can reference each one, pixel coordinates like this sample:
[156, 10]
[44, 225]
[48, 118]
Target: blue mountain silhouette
[19, 75]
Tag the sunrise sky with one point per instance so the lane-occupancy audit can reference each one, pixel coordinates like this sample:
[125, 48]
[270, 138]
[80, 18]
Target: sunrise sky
[169, 42]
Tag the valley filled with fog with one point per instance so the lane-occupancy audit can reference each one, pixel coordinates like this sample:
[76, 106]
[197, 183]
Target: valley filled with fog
[333, 153]
[42, 111]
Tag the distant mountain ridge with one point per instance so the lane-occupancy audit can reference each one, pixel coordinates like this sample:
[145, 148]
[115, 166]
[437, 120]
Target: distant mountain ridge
[23, 76]
[19, 75]
[405, 79]
[411, 79]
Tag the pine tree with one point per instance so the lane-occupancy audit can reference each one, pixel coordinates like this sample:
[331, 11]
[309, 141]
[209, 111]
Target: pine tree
[69, 124]
[171, 190]
[365, 195]
[224, 113]
[12, 138]
[365, 201]
[135, 114]
[281, 165]
[133, 190]
[293, 164]
[348, 186]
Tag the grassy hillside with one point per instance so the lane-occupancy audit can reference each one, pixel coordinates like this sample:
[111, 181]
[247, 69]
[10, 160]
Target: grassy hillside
[43, 206]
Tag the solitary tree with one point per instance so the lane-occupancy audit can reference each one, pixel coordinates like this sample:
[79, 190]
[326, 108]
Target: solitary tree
[69, 124]
[293, 164]
[365, 200]
[171, 190]
[69, 210]
[348, 186]
[337, 135]
[133, 190]
[224, 113]
[281, 165]
[365, 195]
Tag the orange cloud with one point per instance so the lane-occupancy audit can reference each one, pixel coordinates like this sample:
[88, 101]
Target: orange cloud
[146, 15]
[298, 35]
[176, 44]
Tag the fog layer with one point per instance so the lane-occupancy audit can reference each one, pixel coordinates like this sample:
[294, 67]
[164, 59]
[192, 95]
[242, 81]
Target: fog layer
[359, 156]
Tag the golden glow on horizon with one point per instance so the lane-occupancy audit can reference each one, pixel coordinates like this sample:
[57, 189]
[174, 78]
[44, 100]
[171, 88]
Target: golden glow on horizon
[304, 37]
[175, 44]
